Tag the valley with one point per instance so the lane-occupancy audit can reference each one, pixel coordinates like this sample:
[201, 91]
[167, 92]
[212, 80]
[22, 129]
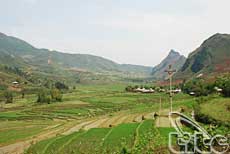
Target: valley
[91, 119]
[81, 110]
[54, 103]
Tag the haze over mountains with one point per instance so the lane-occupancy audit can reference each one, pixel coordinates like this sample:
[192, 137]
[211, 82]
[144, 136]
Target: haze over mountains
[12, 47]
[174, 58]
[213, 56]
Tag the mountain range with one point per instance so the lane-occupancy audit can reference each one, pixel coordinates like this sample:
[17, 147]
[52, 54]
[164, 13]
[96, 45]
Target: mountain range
[42, 64]
[15, 48]
[174, 59]
[20, 60]
[211, 58]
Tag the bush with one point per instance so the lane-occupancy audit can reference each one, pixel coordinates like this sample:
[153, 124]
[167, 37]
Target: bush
[198, 86]
[129, 89]
[43, 96]
[206, 119]
[8, 96]
[3, 87]
[56, 95]
[224, 83]
[61, 86]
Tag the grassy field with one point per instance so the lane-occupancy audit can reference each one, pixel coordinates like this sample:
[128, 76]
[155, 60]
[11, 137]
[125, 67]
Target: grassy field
[133, 137]
[85, 102]
[89, 101]
[96, 104]
[218, 108]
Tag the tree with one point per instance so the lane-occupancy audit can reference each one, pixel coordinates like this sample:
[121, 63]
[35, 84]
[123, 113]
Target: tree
[8, 96]
[43, 96]
[198, 86]
[61, 86]
[56, 95]
[129, 89]
[224, 83]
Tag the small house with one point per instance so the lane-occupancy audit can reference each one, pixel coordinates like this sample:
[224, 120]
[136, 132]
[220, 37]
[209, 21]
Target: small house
[218, 89]
[143, 90]
[15, 84]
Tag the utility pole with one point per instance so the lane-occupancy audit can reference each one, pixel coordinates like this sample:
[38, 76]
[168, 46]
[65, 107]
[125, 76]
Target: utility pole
[170, 72]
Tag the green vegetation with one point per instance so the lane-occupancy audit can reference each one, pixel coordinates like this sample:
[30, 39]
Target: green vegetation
[121, 137]
[91, 101]
[22, 60]
[86, 101]
[8, 96]
[80, 103]
[61, 86]
[125, 138]
[224, 83]
[198, 86]
[210, 59]
[211, 111]
[56, 95]
[11, 131]
[149, 139]
[46, 96]
[43, 96]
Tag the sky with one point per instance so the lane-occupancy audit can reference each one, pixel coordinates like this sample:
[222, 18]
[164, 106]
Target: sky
[126, 31]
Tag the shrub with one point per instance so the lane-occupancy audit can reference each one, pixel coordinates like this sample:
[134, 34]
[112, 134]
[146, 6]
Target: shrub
[224, 83]
[206, 119]
[8, 96]
[56, 95]
[61, 86]
[3, 87]
[228, 107]
[198, 86]
[129, 89]
[43, 96]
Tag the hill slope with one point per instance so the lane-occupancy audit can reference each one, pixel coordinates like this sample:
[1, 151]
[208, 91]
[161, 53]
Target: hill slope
[213, 56]
[15, 51]
[174, 58]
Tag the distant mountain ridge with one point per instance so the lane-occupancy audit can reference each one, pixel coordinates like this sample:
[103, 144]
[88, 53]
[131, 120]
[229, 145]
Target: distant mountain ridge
[22, 53]
[174, 58]
[213, 56]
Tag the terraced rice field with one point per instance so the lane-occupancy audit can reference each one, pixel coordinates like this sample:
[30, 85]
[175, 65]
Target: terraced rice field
[113, 113]
[132, 137]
